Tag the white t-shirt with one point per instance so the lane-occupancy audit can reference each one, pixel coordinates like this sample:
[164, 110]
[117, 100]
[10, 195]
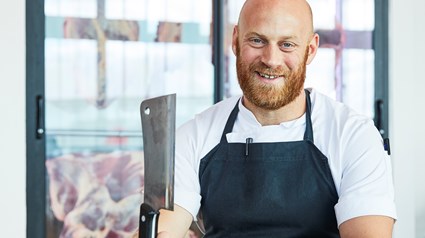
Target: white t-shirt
[360, 166]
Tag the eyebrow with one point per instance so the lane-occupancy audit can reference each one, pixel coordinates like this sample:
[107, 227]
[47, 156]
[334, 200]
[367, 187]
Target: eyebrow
[255, 34]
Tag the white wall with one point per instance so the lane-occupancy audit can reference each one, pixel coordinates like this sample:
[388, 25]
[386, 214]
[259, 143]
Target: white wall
[407, 127]
[12, 119]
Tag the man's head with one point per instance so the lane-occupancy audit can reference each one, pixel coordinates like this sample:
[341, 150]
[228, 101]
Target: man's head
[273, 42]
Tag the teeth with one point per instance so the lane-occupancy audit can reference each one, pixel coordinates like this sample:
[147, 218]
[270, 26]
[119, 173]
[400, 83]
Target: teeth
[269, 76]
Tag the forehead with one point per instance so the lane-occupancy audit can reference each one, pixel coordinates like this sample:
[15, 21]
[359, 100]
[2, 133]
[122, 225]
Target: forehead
[275, 17]
[272, 26]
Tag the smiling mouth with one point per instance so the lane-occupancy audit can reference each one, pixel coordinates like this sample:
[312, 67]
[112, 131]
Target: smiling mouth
[268, 76]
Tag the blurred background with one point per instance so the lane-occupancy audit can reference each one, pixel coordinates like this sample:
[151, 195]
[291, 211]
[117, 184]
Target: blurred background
[89, 64]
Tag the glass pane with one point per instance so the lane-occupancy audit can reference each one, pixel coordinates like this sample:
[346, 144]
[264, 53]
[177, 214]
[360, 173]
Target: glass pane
[98, 70]
[324, 13]
[358, 84]
[232, 11]
[184, 12]
[74, 8]
[352, 9]
[156, 10]
[70, 70]
[125, 9]
[321, 76]
[232, 84]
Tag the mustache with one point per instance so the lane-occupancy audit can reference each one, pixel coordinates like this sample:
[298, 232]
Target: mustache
[264, 69]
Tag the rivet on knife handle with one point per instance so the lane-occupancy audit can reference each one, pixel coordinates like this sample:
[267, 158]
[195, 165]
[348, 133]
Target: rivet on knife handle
[148, 222]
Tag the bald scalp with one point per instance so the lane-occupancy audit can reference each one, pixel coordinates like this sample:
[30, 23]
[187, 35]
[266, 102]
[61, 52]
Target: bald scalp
[299, 8]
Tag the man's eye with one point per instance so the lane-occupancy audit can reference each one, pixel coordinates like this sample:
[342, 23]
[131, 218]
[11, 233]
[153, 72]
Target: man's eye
[287, 45]
[256, 41]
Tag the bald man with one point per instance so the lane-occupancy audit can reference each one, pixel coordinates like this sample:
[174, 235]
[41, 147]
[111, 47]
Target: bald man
[280, 161]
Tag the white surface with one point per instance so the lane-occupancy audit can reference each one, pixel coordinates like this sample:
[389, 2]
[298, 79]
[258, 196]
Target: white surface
[407, 128]
[12, 119]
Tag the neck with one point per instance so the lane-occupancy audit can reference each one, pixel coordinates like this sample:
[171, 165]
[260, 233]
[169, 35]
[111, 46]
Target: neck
[289, 112]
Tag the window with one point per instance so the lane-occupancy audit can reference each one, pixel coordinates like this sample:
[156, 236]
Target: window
[102, 58]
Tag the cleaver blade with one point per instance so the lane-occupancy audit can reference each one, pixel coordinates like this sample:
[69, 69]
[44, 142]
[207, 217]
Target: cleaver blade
[158, 116]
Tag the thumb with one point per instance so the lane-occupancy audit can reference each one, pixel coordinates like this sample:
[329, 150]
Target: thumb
[136, 234]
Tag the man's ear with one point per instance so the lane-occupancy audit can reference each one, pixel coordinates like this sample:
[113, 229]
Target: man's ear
[312, 48]
[234, 39]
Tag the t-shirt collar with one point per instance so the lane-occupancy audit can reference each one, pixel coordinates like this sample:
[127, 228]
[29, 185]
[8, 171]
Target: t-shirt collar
[246, 116]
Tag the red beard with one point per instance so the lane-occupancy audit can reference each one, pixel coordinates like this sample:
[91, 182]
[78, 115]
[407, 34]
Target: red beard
[267, 96]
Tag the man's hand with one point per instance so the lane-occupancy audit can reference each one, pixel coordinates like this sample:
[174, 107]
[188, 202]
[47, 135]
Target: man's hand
[173, 224]
[176, 223]
[163, 234]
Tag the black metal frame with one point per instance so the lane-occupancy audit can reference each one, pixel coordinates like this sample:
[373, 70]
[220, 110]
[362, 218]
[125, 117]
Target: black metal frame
[35, 140]
[35, 34]
[218, 49]
[380, 45]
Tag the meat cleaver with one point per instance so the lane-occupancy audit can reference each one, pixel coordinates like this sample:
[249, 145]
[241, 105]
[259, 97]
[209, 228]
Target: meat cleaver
[158, 117]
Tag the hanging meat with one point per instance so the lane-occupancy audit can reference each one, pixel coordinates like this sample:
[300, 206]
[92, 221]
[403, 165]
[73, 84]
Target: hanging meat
[98, 195]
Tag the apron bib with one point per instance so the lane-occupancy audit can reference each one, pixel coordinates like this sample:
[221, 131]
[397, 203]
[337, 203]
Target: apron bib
[282, 189]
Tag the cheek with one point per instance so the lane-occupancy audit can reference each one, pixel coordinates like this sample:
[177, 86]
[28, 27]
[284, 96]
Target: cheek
[250, 55]
[290, 63]
[293, 62]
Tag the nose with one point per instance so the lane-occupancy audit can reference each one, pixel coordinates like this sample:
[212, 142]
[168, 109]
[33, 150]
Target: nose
[272, 56]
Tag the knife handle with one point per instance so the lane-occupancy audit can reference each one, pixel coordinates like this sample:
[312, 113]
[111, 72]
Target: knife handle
[148, 221]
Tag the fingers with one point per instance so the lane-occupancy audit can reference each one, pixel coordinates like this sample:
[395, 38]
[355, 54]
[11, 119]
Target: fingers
[163, 234]
[136, 234]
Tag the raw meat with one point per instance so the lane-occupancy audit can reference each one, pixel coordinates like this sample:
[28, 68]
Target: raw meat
[96, 196]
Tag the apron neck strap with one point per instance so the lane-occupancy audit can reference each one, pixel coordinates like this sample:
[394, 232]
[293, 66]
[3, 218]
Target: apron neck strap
[308, 134]
[230, 122]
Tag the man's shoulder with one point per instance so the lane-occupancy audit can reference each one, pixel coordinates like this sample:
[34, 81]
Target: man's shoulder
[337, 119]
[325, 107]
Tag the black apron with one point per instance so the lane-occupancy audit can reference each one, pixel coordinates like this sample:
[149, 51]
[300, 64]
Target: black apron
[282, 189]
